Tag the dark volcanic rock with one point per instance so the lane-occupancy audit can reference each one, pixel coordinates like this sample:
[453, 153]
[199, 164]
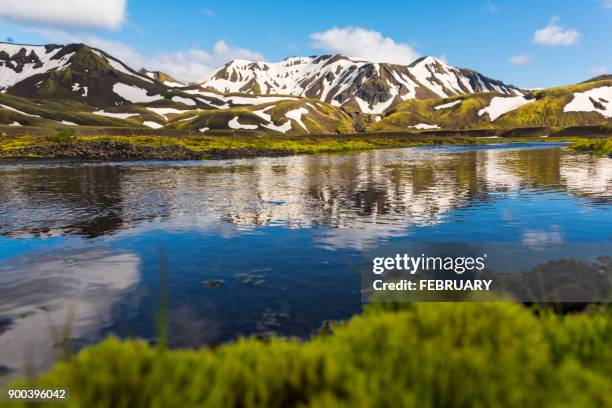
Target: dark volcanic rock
[213, 283]
[109, 150]
[106, 150]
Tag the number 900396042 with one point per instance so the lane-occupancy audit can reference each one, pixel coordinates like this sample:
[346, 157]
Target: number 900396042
[37, 394]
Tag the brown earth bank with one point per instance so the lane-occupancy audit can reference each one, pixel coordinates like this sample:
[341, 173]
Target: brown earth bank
[103, 150]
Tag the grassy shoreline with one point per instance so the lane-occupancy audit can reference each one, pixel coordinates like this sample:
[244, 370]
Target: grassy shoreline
[236, 146]
[417, 354]
[601, 147]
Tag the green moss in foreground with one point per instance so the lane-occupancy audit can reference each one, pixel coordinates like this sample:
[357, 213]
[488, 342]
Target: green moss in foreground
[426, 354]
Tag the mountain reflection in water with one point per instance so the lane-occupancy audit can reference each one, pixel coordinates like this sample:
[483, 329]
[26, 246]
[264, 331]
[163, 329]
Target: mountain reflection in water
[393, 189]
[282, 234]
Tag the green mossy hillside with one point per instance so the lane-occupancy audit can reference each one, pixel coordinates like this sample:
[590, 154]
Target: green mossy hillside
[46, 113]
[546, 110]
[415, 111]
[55, 113]
[318, 117]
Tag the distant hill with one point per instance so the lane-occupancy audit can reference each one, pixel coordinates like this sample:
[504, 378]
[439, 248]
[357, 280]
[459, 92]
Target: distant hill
[589, 103]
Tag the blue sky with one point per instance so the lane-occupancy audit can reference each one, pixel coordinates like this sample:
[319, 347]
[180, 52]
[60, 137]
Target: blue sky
[528, 43]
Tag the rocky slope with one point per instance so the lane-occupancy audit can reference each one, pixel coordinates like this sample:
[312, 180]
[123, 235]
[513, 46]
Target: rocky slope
[83, 74]
[344, 81]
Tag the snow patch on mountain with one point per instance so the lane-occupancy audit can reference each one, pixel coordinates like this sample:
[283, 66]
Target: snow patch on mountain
[262, 113]
[9, 76]
[279, 128]
[376, 109]
[171, 84]
[594, 100]
[409, 85]
[296, 115]
[214, 104]
[425, 73]
[115, 115]
[501, 105]
[18, 111]
[422, 126]
[271, 125]
[447, 105]
[152, 125]
[76, 87]
[166, 111]
[235, 124]
[245, 100]
[187, 119]
[134, 94]
[240, 100]
[186, 101]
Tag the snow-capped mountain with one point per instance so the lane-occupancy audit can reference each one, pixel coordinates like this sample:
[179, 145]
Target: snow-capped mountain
[346, 81]
[91, 76]
[81, 73]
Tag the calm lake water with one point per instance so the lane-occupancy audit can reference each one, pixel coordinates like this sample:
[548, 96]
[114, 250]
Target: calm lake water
[92, 247]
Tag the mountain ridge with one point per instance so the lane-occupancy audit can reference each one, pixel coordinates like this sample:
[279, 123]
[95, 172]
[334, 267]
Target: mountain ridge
[366, 86]
[71, 71]
[78, 85]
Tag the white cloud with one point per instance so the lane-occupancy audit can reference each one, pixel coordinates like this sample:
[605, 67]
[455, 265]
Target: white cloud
[606, 3]
[194, 64]
[187, 65]
[109, 14]
[554, 34]
[209, 13]
[599, 70]
[519, 59]
[491, 7]
[362, 43]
